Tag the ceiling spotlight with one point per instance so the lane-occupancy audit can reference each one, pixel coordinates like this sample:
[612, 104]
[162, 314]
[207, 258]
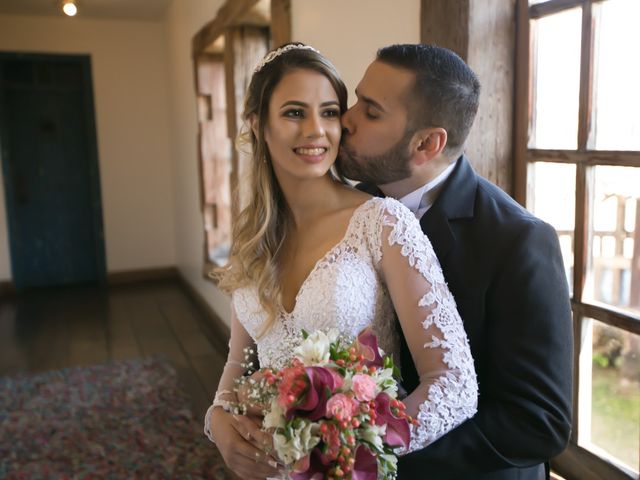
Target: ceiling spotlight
[69, 7]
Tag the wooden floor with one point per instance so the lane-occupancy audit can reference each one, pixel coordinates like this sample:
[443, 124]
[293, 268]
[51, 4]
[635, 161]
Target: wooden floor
[74, 326]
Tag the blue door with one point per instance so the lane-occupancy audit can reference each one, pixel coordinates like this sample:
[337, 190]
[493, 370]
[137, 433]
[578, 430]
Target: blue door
[50, 170]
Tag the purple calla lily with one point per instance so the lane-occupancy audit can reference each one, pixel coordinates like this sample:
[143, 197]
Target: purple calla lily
[323, 383]
[365, 466]
[397, 434]
[368, 344]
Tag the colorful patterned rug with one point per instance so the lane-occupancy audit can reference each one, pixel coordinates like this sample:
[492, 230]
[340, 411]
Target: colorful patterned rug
[111, 421]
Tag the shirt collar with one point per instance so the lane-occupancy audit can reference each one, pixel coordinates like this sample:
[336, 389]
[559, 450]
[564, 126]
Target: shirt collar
[421, 199]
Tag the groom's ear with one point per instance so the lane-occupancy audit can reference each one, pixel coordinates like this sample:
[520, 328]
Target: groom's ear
[427, 144]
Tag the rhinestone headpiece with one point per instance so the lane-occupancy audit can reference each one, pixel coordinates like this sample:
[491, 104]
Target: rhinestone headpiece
[279, 51]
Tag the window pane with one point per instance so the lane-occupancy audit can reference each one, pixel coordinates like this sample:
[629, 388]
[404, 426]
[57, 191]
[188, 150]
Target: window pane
[556, 85]
[613, 274]
[617, 76]
[609, 422]
[552, 197]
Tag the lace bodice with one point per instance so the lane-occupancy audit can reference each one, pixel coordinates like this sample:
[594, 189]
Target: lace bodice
[384, 260]
[344, 290]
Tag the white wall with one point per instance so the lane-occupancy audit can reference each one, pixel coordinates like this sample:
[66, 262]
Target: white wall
[349, 32]
[183, 21]
[129, 68]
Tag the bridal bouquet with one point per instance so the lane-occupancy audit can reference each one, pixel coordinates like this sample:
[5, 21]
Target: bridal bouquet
[332, 411]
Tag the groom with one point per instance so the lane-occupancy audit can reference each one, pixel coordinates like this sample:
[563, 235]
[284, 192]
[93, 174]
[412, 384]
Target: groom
[405, 138]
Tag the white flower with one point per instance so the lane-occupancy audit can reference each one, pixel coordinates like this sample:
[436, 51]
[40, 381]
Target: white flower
[275, 417]
[373, 434]
[314, 350]
[384, 379]
[303, 439]
[347, 381]
[392, 459]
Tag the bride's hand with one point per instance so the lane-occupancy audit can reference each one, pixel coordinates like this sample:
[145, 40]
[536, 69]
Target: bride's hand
[242, 445]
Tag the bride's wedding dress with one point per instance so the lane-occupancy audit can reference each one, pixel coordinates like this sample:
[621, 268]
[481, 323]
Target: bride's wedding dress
[383, 263]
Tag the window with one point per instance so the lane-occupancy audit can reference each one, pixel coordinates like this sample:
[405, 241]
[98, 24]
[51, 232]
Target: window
[578, 168]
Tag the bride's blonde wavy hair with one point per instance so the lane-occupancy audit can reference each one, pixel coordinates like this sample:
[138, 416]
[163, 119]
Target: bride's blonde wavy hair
[261, 228]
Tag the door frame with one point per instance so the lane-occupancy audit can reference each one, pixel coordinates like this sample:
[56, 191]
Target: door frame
[92, 154]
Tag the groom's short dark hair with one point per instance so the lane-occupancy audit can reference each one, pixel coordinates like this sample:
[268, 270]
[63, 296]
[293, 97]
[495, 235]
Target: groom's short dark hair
[446, 91]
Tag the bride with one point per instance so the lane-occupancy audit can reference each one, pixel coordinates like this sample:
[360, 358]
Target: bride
[310, 252]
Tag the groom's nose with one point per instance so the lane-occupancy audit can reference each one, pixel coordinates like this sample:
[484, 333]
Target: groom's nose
[347, 123]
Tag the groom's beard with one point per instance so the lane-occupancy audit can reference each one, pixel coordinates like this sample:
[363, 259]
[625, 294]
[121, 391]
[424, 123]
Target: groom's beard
[390, 166]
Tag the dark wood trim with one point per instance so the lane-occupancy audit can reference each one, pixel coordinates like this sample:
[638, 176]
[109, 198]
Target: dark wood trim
[280, 22]
[522, 108]
[610, 315]
[122, 277]
[577, 463]
[7, 289]
[544, 9]
[590, 157]
[141, 275]
[585, 114]
[575, 401]
[227, 15]
[580, 238]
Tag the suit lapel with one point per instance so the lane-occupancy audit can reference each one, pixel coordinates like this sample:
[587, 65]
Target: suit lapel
[436, 226]
[456, 201]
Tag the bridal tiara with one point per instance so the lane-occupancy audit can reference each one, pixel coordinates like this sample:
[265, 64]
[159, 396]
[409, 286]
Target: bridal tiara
[279, 51]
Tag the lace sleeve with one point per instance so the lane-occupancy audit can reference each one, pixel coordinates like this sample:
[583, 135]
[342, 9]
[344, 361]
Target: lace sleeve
[448, 391]
[233, 368]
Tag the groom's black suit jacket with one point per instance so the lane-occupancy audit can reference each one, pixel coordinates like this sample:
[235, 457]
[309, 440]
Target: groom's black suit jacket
[505, 270]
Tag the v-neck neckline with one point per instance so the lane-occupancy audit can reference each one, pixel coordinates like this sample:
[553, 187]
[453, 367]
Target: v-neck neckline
[320, 260]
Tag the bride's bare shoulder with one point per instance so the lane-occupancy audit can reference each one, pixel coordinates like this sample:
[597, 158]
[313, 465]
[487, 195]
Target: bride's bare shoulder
[353, 198]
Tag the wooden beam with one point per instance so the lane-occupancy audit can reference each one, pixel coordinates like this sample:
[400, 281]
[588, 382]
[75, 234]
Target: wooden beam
[227, 15]
[551, 7]
[280, 22]
[592, 157]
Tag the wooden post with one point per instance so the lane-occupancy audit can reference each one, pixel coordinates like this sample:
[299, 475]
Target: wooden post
[483, 34]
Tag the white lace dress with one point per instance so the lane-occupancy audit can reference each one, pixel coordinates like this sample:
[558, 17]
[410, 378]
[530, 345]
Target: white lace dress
[383, 262]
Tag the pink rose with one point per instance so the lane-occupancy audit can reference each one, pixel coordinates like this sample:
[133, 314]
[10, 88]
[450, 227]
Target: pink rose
[342, 407]
[364, 387]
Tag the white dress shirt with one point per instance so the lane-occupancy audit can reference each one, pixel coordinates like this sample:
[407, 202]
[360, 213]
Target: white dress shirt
[420, 200]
